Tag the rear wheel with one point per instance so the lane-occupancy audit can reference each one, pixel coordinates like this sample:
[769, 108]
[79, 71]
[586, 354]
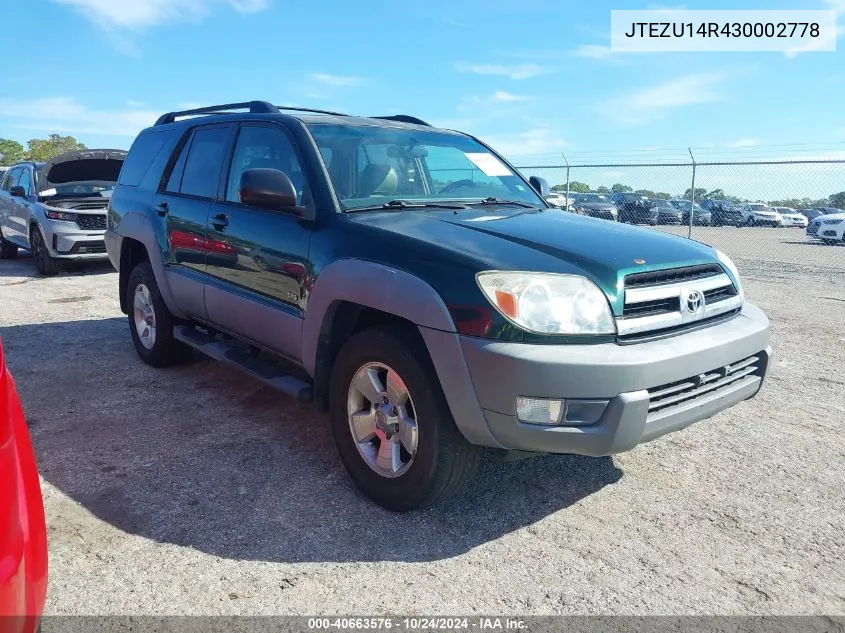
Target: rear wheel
[150, 322]
[393, 428]
[44, 263]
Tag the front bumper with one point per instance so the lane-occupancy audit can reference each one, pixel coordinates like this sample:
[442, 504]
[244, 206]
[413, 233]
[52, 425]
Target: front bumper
[618, 374]
[70, 242]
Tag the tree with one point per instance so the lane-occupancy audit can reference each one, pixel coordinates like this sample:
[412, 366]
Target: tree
[603, 190]
[44, 149]
[838, 200]
[699, 193]
[648, 193]
[10, 151]
[619, 188]
[574, 187]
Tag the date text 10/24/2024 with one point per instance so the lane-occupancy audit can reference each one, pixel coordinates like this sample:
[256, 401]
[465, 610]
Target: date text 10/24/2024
[417, 623]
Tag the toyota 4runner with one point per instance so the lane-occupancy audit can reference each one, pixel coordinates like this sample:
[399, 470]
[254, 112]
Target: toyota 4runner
[409, 280]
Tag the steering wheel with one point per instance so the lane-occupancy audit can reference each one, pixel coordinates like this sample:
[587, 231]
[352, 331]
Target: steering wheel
[458, 184]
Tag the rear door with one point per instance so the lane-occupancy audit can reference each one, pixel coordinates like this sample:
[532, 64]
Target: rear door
[257, 259]
[190, 187]
[7, 205]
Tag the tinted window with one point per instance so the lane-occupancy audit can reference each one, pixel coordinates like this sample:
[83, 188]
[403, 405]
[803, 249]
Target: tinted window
[201, 176]
[264, 147]
[175, 179]
[25, 181]
[11, 178]
[141, 155]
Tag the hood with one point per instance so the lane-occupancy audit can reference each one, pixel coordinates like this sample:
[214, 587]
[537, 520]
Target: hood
[89, 166]
[516, 239]
[831, 216]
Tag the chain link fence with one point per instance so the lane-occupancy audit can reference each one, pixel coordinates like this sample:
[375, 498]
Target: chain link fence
[792, 189]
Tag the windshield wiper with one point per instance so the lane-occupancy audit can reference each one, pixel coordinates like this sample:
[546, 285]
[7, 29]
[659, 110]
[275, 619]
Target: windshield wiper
[407, 204]
[491, 201]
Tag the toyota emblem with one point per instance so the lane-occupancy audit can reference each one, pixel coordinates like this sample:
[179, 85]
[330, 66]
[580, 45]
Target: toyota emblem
[695, 301]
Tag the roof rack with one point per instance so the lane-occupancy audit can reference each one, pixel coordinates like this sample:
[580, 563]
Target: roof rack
[404, 118]
[254, 107]
[298, 109]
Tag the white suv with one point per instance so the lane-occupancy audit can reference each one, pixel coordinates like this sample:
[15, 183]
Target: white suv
[759, 214]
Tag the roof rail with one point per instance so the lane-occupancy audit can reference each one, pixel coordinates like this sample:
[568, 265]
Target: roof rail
[254, 107]
[404, 118]
[298, 109]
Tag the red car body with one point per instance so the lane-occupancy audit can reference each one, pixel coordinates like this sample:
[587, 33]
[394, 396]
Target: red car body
[23, 532]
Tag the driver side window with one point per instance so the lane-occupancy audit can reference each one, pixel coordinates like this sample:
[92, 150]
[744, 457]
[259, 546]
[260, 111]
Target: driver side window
[265, 147]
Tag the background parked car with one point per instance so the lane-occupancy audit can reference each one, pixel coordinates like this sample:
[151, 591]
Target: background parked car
[791, 217]
[559, 200]
[723, 212]
[830, 228]
[760, 214]
[23, 533]
[635, 208]
[667, 214]
[699, 215]
[595, 205]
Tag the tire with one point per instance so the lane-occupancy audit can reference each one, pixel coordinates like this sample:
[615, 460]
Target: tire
[442, 462]
[7, 249]
[160, 349]
[46, 265]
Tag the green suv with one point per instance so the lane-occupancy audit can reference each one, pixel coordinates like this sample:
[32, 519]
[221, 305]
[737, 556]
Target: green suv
[409, 280]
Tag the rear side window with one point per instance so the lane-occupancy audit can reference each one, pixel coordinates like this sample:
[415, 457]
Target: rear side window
[141, 155]
[201, 176]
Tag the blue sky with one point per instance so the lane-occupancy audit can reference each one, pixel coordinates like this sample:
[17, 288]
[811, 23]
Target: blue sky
[535, 77]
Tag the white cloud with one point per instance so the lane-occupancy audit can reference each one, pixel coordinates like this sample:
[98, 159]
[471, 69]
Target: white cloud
[65, 114]
[653, 103]
[337, 80]
[517, 71]
[815, 44]
[140, 14]
[743, 142]
[538, 140]
[593, 51]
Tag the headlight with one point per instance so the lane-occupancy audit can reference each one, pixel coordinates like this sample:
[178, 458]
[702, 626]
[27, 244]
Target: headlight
[727, 263]
[549, 303]
[61, 215]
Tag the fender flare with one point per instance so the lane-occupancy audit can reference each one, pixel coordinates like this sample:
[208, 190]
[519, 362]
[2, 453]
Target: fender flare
[137, 226]
[373, 285]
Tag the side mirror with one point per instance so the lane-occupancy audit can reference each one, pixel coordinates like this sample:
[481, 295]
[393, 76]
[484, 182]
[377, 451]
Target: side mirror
[268, 189]
[17, 192]
[540, 185]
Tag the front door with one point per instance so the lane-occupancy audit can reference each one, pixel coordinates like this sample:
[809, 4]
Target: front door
[7, 206]
[22, 206]
[257, 260]
[191, 187]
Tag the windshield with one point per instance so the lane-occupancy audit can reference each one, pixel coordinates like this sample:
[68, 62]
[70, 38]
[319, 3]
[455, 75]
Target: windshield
[684, 205]
[758, 207]
[374, 165]
[592, 197]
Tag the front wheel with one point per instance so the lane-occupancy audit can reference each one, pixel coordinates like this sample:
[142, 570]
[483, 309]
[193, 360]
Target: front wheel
[150, 322]
[44, 263]
[393, 428]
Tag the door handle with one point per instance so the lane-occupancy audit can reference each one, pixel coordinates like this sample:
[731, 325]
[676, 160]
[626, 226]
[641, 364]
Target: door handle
[220, 221]
[162, 209]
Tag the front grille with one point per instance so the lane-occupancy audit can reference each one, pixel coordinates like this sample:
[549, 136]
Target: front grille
[719, 294]
[683, 391]
[91, 222]
[672, 275]
[657, 306]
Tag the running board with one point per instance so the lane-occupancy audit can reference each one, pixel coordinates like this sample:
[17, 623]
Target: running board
[269, 374]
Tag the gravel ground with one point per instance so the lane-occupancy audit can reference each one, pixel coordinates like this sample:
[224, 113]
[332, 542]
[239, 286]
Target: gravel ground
[195, 490]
